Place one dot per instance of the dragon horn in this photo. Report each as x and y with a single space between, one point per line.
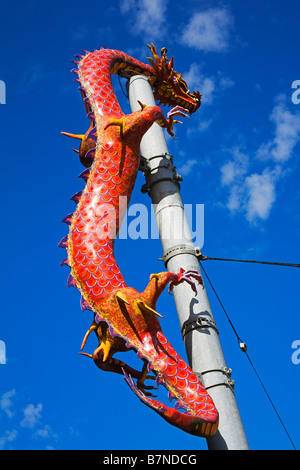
153 63
171 63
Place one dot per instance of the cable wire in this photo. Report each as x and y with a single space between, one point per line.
204 258
125 94
244 349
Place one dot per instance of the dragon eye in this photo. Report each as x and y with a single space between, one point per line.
183 85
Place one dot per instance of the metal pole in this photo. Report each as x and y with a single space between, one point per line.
200 333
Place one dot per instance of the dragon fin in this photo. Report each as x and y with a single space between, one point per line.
147 309
121 299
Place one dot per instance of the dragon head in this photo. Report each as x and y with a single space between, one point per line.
169 87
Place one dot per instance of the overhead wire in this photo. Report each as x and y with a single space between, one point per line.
243 347
204 258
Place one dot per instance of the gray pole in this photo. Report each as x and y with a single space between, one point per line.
197 324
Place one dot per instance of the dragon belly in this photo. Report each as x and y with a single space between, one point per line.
96 224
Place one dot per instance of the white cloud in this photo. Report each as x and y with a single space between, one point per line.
204 125
254 192
146 17
209 86
233 170
187 167
32 415
208 30
24 424
6 403
286 135
9 436
261 195
45 432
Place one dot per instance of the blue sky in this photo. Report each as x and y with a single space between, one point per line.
238 155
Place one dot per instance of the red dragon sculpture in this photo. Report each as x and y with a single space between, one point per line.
125 319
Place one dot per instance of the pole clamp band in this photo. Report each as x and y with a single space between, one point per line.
228 382
177 250
224 370
165 163
200 322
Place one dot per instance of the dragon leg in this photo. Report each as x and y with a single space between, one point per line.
102 357
158 282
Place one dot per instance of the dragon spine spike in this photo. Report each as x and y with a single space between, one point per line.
71 281
63 242
91 116
68 219
84 305
125 319
65 262
93 134
85 175
76 197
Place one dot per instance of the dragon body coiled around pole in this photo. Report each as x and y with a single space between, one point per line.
123 318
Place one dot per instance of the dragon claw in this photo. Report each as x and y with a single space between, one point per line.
141 382
178 111
105 347
185 276
170 121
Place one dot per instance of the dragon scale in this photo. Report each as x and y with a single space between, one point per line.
125 319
